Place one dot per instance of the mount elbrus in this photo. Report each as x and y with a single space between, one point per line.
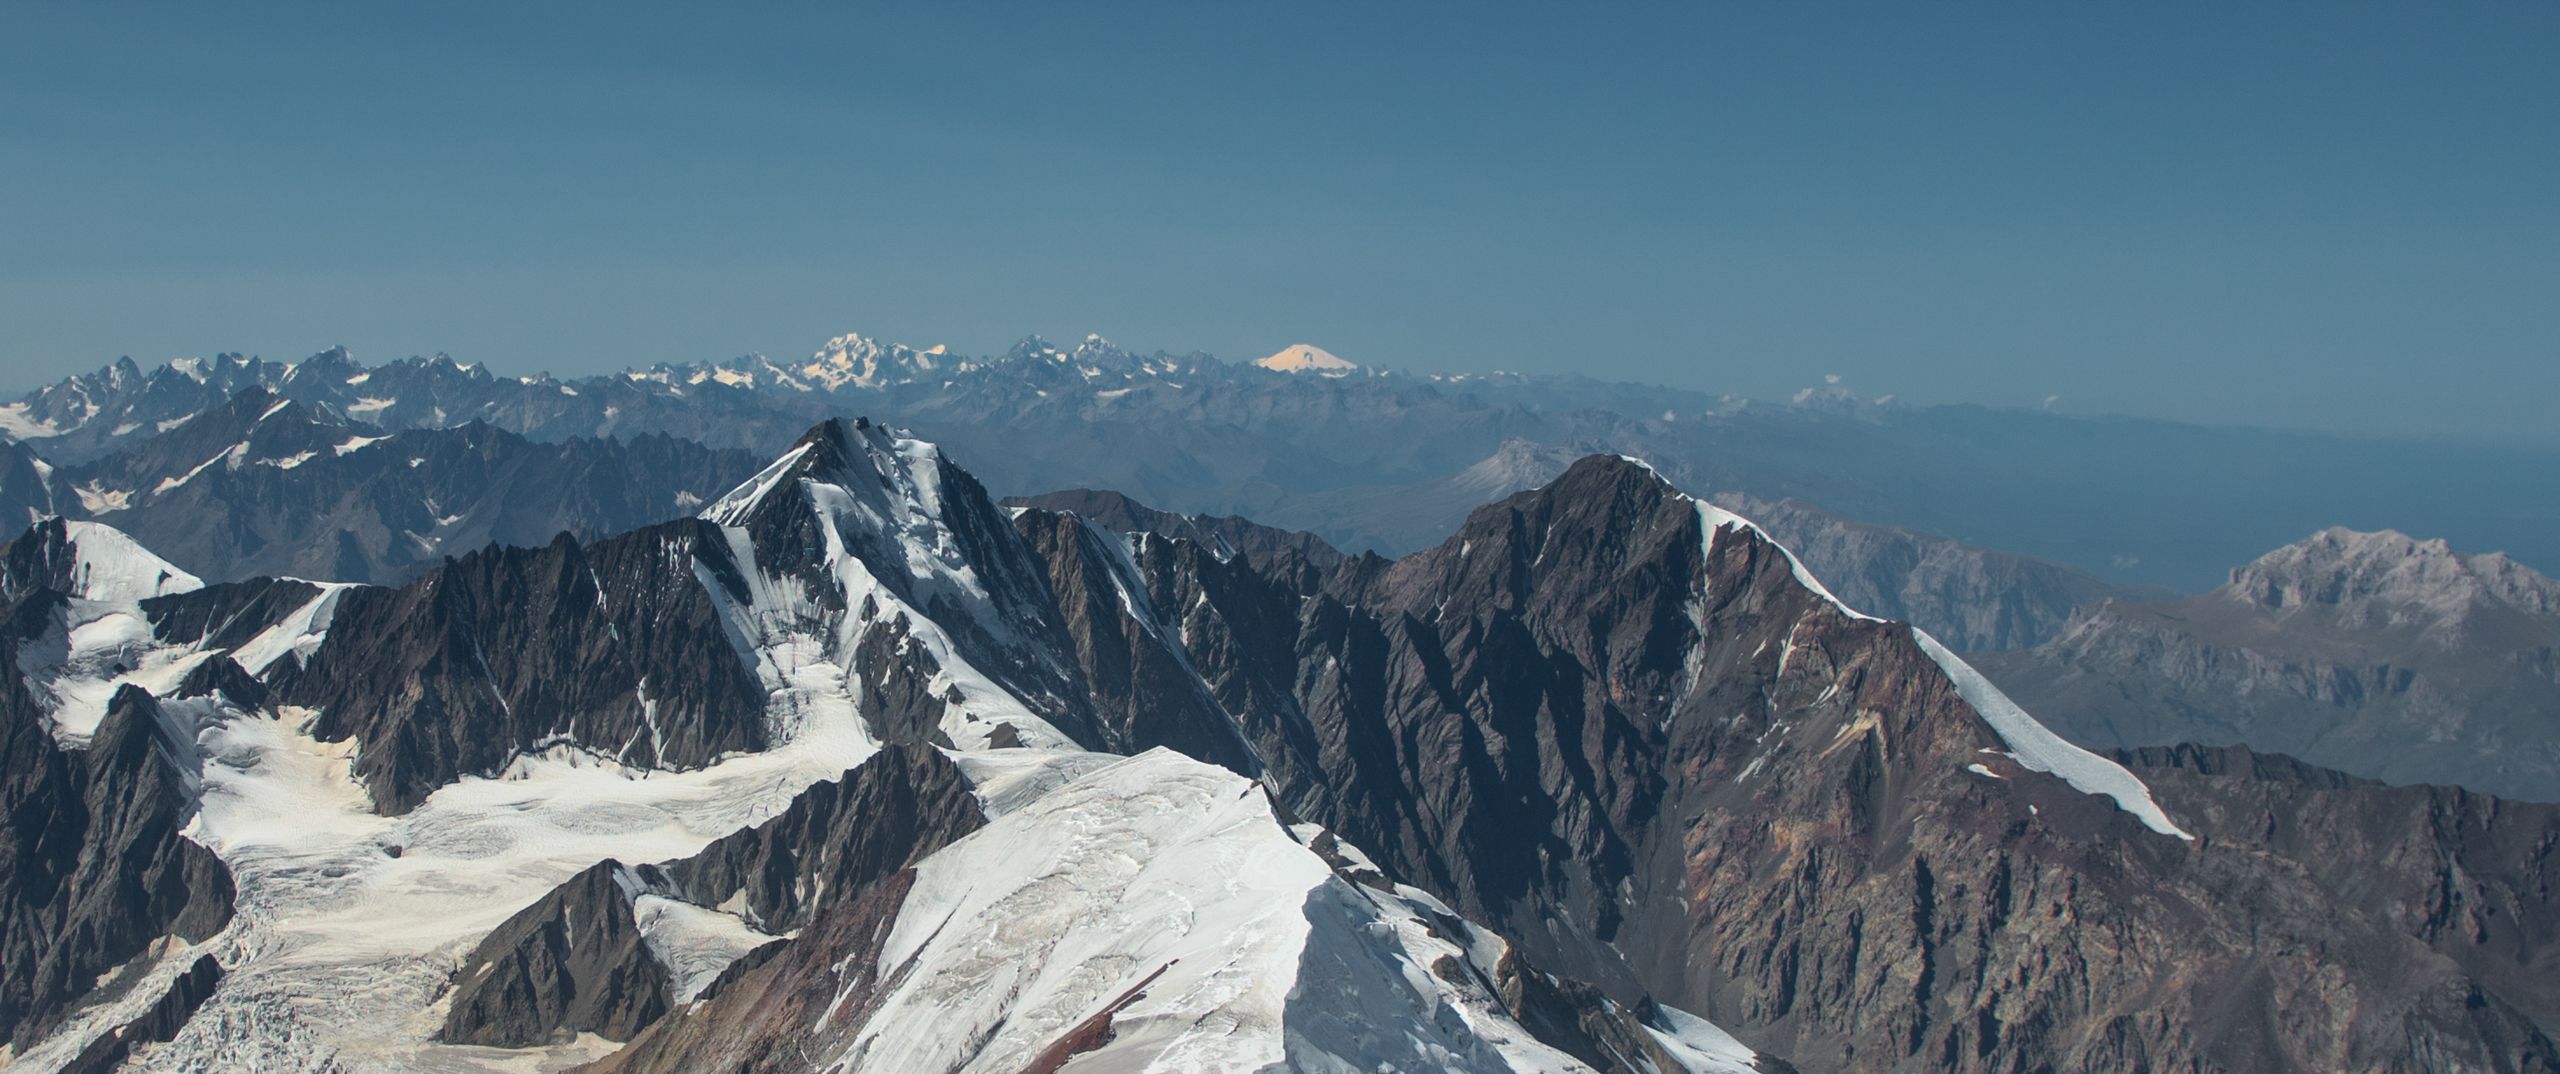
851 769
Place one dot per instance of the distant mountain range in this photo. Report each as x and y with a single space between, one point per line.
2374 653
260 484
1361 458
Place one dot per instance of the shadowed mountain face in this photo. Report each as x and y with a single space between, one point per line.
615 645
2373 653
26 485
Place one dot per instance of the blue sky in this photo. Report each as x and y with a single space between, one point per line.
2333 216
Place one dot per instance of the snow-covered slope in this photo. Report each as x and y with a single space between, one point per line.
1165 892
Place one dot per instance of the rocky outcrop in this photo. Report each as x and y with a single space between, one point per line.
573 962
2372 653
223 677
228 615
95 867
1971 598
615 647
759 1022
837 837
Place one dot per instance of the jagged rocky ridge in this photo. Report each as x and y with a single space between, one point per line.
1613 724
615 646
2373 653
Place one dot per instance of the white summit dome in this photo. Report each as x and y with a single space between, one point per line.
1308 358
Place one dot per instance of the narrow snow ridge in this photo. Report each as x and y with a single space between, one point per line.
2036 747
1715 518
2031 743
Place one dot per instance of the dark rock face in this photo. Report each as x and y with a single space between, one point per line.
2372 653
1581 1021
760 1021
2473 878
94 865
1142 688
573 962
903 803
1666 766
223 677
159 1024
26 486
614 646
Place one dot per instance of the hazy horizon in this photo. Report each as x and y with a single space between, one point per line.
2322 221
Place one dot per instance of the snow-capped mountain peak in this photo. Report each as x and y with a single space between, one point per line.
862 532
1308 358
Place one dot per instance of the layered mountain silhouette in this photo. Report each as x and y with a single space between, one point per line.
1389 460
